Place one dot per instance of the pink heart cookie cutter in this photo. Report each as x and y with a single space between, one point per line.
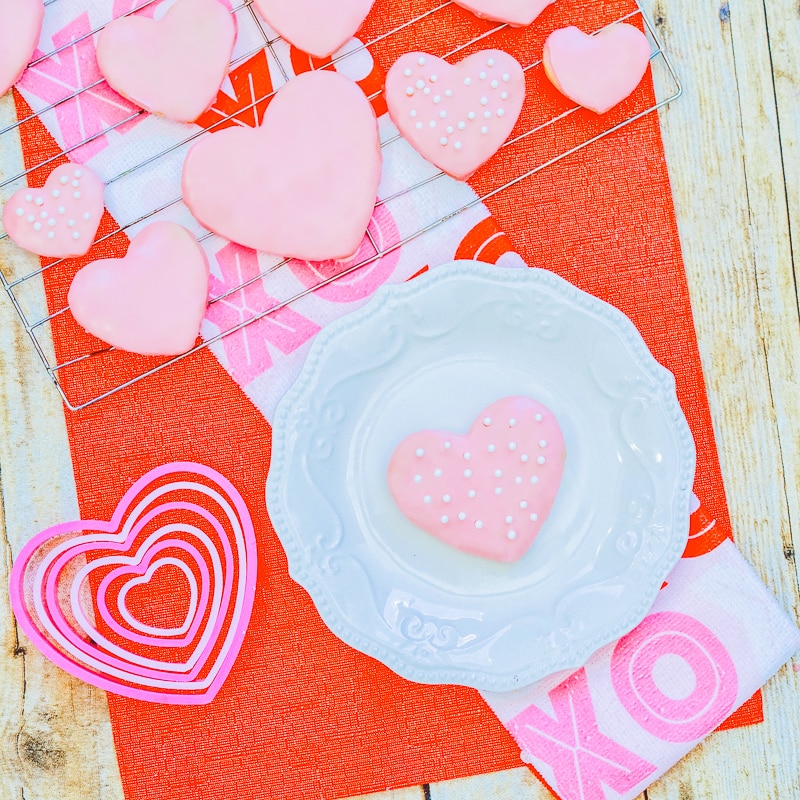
50 585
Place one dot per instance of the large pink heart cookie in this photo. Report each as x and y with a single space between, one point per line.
458 116
91 594
597 72
173 66
303 184
150 302
20 27
514 12
317 27
59 220
490 491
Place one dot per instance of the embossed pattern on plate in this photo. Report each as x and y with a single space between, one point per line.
431 354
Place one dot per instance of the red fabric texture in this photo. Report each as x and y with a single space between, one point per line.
302 715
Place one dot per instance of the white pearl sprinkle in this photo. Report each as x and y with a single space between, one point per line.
445 519
407 72
56 193
541 460
523 504
420 452
524 459
76 184
534 517
482 76
39 201
518 479
420 84
512 446
501 112
458 145
78 173
446 498
71 223
504 95
472 115
76 235
77 195
29 198
31 218
498 473
498 490
448 92
443 115
467 473
437 473
462 516
478 524
542 443
447 445
20 212
421 61
426 90
51 234
64 179
487 421
418 479
471 493
410 91
443 141
434 78
413 113
432 123
419 126
534 479
512 423
62 210
484 130
509 519
37 226
538 417
451 129
467 81
462 125
495 84
484 101
490 62
437 98
512 535
51 222
491 448
506 77
427 498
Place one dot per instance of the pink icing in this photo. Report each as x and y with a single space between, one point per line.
20 27
173 66
597 72
303 184
488 492
317 27
514 12
150 302
458 116
59 220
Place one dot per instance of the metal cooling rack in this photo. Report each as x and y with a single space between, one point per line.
668 89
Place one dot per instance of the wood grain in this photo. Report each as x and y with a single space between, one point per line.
733 147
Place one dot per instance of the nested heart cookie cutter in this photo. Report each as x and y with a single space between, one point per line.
71 376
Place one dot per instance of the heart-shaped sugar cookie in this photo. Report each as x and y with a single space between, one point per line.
514 12
487 492
303 184
150 302
59 220
172 66
600 71
72 586
20 27
317 27
456 116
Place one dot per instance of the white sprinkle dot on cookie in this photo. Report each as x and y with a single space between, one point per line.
420 452
462 125
445 519
467 456
418 479
501 112
491 448
448 92
56 193
471 493
512 446
467 473
437 473
62 210
487 421
509 519
427 499
484 101
20 212
484 130
433 78
29 198
78 173
64 179
432 123
446 498
76 184
420 84
495 84
541 460
490 62
37 226
482 76
518 479
538 418
31 218
523 504
498 473
534 479
77 195
462 516
542 443
512 535
498 490
534 517
410 91
506 77
467 81
512 422
524 459
478 524
426 90
419 126
472 115
51 222
39 201
71 223
458 145
407 72
51 234
448 445
76 235
443 141
421 61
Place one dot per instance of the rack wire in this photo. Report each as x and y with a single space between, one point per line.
40 330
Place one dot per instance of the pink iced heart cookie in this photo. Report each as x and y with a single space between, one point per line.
173 66
59 220
150 302
20 27
317 27
303 184
91 594
514 12
597 72
488 492
459 116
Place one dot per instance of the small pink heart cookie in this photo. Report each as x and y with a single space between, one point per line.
303 184
600 71
515 12
173 66
59 220
456 116
150 302
20 27
317 27
489 492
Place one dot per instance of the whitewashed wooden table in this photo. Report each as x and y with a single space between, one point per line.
733 148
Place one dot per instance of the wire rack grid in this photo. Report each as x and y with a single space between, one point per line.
668 89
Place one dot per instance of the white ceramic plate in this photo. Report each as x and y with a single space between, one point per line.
433 353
